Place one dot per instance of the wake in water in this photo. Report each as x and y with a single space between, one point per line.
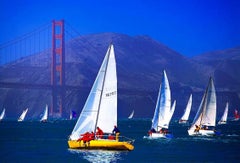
105 156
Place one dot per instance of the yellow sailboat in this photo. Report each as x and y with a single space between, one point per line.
100 110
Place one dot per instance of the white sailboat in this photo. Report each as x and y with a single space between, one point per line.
23 115
223 120
184 118
163 112
100 110
2 115
45 115
131 115
205 119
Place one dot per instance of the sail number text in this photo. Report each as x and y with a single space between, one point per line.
111 93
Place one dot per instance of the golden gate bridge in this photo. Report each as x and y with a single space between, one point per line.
47 41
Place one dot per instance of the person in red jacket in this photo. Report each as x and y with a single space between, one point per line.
99 133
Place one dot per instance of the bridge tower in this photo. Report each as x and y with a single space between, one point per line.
58 68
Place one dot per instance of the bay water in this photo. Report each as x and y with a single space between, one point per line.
32 141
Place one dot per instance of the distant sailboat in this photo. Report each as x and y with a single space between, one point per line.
23 115
72 114
205 119
2 115
163 111
100 110
45 115
236 115
131 115
223 120
186 114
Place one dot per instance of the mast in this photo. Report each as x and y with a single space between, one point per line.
104 77
204 102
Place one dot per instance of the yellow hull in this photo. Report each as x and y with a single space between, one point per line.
101 144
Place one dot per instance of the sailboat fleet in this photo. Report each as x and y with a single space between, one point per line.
100 113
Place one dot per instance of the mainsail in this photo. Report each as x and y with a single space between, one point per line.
131 115
187 110
22 116
2 114
223 120
163 107
100 108
45 115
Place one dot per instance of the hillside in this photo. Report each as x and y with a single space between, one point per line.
140 62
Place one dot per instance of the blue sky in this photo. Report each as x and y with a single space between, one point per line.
190 27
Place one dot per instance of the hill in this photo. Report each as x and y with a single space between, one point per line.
140 62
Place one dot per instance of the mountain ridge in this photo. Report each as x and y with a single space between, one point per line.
140 63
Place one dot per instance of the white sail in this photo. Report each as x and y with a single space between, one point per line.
45 114
206 114
2 114
187 110
156 112
22 116
70 117
100 108
131 115
163 107
169 117
172 109
223 120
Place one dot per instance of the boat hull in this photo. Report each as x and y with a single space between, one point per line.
201 133
159 135
182 121
222 122
101 144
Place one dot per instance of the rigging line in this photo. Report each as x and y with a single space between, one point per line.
24 36
84 39
204 102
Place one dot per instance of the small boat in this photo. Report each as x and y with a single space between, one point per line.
2 115
236 115
131 115
163 112
23 115
205 119
100 110
223 120
45 115
72 114
184 118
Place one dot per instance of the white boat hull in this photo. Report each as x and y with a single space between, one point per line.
182 121
222 122
159 135
201 133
